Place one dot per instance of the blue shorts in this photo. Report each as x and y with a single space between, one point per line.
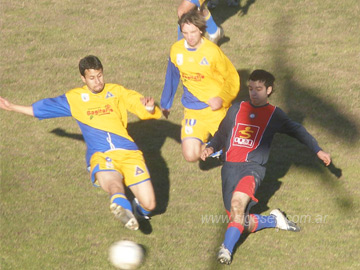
232 175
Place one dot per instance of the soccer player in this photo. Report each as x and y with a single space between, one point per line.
112 157
210 83
215 32
246 134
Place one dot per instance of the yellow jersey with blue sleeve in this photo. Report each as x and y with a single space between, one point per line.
198 3
205 73
102 117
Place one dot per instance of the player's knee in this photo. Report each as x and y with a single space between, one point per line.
191 157
184 7
237 211
149 204
191 154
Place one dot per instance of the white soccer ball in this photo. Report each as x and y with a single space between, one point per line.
126 255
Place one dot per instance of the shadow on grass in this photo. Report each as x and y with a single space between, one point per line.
149 136
223 12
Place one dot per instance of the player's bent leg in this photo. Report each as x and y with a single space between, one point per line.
112 183
191 149
235 228
144 201
184 7
239 202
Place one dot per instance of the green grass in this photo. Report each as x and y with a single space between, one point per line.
51 216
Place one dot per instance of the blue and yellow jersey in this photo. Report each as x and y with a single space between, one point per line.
205 72
198 3
102 117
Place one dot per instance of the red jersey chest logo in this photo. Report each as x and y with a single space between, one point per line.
245 135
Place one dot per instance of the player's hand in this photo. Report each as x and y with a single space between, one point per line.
325 157
166 112
215 103
5 104
206 152
149 103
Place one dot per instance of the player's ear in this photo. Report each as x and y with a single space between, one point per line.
269 90
83 79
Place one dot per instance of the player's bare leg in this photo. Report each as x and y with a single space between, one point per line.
112 183
191 149
184 7
144 201
239 202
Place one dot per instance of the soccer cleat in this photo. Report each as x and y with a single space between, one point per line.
217 36
283 223
224 255
125 216
139 216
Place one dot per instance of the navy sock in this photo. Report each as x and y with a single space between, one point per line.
263 222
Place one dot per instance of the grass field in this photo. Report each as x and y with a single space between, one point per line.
51 216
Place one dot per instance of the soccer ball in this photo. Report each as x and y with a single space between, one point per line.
126 255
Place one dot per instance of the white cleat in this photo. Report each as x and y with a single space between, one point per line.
125 216
283 223
224 255
219 34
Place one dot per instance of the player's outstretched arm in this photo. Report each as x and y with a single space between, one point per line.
325 157
206 152
8 106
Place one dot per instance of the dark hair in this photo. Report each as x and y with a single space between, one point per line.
89 62
193 17
263 76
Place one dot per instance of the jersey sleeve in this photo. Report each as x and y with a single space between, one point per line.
231 85
296 130
52 107
218 142
134 105
172 79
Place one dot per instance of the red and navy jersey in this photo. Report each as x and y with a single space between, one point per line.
247 131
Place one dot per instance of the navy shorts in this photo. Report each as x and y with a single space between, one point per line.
232 173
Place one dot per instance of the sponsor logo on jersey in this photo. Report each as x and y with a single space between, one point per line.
138 171
100 111
180 59
192 77
109 95
85 97
245 135
204 62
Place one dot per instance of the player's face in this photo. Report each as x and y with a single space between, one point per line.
94 80
258 92
192 35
